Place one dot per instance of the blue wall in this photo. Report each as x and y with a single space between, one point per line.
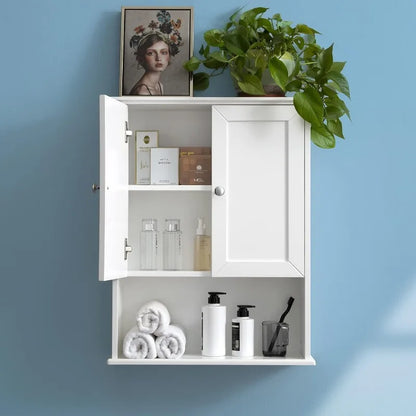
55 317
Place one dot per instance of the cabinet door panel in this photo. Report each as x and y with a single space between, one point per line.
113 189
258 223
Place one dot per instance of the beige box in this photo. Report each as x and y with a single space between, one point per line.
143 166
164 165
147 138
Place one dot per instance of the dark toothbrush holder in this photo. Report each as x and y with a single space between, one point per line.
275 338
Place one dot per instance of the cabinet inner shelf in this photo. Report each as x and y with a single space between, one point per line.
169 273
176 188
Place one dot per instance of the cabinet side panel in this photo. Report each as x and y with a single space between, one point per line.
308 277
116 313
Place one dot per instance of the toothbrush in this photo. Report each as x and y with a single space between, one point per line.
282 319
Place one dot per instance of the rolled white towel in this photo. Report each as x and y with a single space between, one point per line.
153 318
136 344
171 344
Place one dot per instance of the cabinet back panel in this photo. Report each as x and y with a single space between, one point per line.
182 127
184 298
186 206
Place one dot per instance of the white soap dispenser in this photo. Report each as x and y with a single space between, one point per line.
243 333
213 326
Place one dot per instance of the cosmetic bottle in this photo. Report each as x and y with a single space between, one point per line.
202 247
213 326
172 245
243 333
148 245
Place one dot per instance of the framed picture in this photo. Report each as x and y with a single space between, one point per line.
155 42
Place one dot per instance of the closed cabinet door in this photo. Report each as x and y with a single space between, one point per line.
258 201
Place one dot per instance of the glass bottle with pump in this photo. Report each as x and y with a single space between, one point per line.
202 249
172 245
148 245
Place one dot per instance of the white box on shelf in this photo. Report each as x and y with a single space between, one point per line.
147 138
164 166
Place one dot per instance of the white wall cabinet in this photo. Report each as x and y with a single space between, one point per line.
259 222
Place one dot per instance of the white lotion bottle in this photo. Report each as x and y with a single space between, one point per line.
242 329
214 317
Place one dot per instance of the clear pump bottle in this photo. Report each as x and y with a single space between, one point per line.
148 245
172 245
202 248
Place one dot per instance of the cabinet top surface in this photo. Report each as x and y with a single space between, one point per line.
203 101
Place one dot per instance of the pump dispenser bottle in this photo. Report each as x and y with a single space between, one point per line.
243 333
202 250
213 326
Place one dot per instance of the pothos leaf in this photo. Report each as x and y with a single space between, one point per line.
192 64
341 81
201 81
278 71
309 105
322 137
335 127
251 85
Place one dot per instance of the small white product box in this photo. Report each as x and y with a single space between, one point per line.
145 139
143 166
164 165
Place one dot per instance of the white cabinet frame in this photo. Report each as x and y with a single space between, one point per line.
230 126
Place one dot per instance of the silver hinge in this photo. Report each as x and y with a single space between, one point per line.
127 249
129 133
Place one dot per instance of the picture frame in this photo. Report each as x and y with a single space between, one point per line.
155 43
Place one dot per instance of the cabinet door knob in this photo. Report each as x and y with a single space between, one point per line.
219 190
95 187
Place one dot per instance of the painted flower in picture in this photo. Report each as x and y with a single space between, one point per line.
139 29
165 25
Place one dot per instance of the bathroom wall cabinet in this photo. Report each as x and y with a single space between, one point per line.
257 211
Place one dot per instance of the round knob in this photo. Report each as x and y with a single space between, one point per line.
219 190
95 187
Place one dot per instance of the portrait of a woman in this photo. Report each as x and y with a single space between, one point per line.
153 55
155 45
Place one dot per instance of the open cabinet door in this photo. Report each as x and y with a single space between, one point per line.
113 189
258 205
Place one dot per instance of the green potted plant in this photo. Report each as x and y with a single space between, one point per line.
255 48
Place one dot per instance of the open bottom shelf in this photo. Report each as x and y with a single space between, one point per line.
228 360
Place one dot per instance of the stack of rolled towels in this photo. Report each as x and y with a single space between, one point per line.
153 335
